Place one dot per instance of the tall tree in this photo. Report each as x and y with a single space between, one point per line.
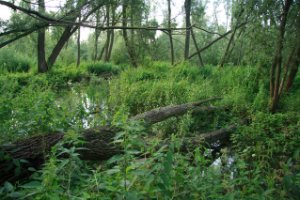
275 73
78 42
170 32
130 49
187 7
237 16
42 64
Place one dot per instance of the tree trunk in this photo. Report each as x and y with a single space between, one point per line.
98 146
112 34
197 48
231 40
131 53
69 30
187 6
293 69
296 58
286 71
275 72
78 43
215 40
108 33
97 34
170 32
42 64
97 142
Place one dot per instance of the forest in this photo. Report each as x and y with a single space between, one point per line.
149 99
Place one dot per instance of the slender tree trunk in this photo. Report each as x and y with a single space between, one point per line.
131 53
231 40
214 41
296 58
286 71
275 72
293 69
112 34
68 32
103 50
42 64
78 44
197 48
108 33
97 34
187 6
228 48
111 44
233 46
170 32
60 44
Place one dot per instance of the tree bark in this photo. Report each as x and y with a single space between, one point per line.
97 142
187 6
296 58
170 32
108 33
293 69
275 72
98 147
231 40
215 40
78 44
42 64
197 48
163 113
130 50
112 34
97 34
69 30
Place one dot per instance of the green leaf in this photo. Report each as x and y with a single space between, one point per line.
31 185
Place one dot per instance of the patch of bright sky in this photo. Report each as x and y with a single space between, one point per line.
158 8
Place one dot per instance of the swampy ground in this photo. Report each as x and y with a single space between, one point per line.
260 161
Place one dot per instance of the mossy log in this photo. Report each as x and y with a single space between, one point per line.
18 157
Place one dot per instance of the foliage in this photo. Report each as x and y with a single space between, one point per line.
101 68
263 162
13 62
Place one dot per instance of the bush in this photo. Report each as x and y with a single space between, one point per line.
12 62
100 68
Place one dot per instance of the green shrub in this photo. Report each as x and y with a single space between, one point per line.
100 68
12 62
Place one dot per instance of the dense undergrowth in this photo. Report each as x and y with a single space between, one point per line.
262 163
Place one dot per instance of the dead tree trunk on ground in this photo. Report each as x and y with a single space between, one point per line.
98 142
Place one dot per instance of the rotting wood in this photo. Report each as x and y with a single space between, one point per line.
97 142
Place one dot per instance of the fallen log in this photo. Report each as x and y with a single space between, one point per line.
17 158
163 113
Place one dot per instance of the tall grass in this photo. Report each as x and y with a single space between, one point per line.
11 61
266 150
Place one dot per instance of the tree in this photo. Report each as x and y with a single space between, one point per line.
276 68
170 32
187 7
129 47
42 64
78 43
43 20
